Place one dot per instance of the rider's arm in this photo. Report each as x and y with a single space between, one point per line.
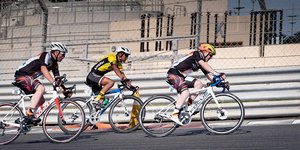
207 67
210 71
47 74
118 72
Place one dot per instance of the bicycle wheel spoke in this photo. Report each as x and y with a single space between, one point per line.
66 128
10 128
123 114
153 116
225 119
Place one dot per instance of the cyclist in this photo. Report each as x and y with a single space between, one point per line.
28 72
178 75
112 62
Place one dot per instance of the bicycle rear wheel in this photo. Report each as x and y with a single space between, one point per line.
10 123
225 119
87 107
74 123
154 116
123 114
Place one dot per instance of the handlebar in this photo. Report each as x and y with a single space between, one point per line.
67 91
63 79
218 81
122 86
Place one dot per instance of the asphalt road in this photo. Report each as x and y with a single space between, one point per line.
256 136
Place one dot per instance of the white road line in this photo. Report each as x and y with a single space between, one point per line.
271 122
296 121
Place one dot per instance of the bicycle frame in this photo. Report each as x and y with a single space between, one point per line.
208 91
118 94
40 111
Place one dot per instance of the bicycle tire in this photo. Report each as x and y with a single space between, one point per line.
226 120
9 133
123 114
51 127
153 124
87 107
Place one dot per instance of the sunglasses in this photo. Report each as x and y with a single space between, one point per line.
126 55
63 54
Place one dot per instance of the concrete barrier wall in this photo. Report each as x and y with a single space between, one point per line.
265 92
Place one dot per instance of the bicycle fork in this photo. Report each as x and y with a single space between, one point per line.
57 102
221 113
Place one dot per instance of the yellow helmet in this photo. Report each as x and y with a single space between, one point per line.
209 48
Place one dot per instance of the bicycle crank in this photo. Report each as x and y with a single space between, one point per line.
95 117
185 118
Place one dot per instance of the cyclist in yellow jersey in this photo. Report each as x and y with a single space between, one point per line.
112 62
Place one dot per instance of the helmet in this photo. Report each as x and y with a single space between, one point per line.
210 48
57 46
123 49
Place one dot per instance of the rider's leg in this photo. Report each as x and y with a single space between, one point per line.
36 100
182 97
197 85
178 106
106 84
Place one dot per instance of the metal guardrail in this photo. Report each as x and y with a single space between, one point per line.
265 92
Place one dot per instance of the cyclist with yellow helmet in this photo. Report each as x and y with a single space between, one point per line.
178 75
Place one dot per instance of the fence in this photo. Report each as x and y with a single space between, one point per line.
159 32
28 26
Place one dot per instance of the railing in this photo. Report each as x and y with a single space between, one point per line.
265 92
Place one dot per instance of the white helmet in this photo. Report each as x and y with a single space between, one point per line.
123 49
57 46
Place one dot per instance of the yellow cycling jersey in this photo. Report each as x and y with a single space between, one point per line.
105 64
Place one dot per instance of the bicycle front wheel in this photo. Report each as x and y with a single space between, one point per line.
154 116
53 124
87 107
10 126
224 119
123 114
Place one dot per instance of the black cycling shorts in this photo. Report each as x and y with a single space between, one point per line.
27 84
93 80
178 81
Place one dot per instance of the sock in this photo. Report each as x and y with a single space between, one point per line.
176 111
30 111
100 96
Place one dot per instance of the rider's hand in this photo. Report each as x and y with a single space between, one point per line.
57 82
126 82
222 75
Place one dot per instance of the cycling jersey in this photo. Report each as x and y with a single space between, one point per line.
32 67
105 65
100 69
189 63
178 74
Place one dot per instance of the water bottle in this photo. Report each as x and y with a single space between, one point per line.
105 102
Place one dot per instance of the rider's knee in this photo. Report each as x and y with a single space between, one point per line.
41 88
198 84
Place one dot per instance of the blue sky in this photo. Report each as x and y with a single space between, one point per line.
290 7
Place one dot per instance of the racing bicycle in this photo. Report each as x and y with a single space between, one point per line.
13 119
123 109
220 113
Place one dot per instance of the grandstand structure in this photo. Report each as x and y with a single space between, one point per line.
157 31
